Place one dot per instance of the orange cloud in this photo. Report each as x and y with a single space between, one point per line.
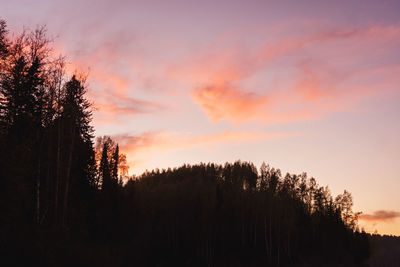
111 97
175 140
222 101
219 78
380 216
112 101
108 90
126 106
111 77
313 87
156 144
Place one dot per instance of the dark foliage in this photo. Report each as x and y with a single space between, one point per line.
63 202
385 251
210 214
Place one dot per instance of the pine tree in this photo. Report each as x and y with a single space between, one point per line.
22 88
76 118
104 168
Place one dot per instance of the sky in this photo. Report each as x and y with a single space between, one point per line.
306 86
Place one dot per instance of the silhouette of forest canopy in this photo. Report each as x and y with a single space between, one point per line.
64 203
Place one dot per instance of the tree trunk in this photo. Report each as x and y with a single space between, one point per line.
68 177
37 217
265 234
255 232
57 180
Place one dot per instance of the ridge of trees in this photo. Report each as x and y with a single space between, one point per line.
236 213
64 202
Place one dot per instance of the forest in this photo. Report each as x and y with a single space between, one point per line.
66 199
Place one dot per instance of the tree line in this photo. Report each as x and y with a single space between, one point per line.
64 201
214 214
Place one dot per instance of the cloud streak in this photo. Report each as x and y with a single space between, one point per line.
177 140
125 106
157 144
380 216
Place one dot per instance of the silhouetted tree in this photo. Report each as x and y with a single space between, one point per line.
105 168
52 175
76 117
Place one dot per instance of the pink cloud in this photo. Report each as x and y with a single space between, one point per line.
156 144
222 101
112 100
127 106
175 140
380 216
111 77
313 86
219 77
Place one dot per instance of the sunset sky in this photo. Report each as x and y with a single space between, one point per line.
306 86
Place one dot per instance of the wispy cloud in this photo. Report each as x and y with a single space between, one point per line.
127 106
157 144
312 87
113 78
178 140
380 216
223 101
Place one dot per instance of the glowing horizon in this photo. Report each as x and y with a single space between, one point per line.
304 87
